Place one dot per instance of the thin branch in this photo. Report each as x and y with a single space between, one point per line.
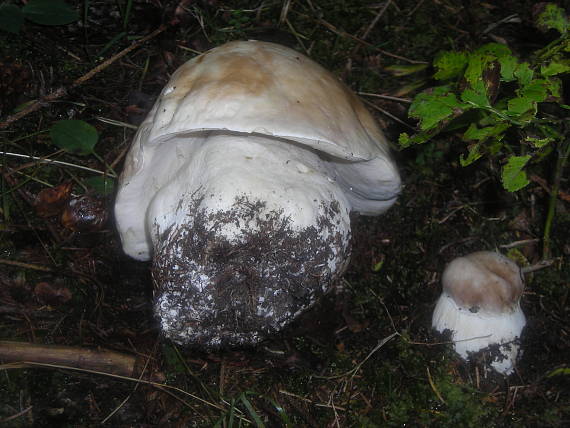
62 91
56 162
25 265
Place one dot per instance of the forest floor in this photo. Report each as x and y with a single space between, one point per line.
366 355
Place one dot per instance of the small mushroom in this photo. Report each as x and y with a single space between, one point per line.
480 305
239 184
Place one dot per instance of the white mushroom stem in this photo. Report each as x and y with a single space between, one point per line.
223 168
222 195
473 331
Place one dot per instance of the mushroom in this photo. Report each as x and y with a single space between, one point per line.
239 184
480 304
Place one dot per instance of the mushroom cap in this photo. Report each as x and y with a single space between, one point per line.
485 281
257 88
480 305
265 88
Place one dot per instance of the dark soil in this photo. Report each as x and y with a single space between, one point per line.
68 283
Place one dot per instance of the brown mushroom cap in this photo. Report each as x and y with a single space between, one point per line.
254 89
265 88
484 280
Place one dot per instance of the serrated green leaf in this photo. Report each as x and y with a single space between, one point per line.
431 109
74 136
475 65
449 64
553 17
523 73
472 155
536 90
505 58
558 66
554 85
513 176
406 141
11 18
520 105
49 12
476 95
481 134
508 67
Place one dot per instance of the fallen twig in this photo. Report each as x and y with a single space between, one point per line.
62 91
82 358
26 265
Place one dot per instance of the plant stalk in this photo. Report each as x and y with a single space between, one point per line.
563 152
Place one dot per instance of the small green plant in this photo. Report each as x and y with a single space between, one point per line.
79 138
495 102
43 12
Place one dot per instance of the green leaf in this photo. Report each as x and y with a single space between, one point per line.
476 64
523 73
505 57
433 108
101 185
564 371
481 134
539 142
405 141
49 12
513 176
473 155
553 17
74 136
555 67
520 105
476 95
449 64
536 90
378 266
508 67
11 18
554 85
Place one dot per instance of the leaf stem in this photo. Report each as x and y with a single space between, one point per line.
563 153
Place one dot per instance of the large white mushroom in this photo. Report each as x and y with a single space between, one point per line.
239 185
480 304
